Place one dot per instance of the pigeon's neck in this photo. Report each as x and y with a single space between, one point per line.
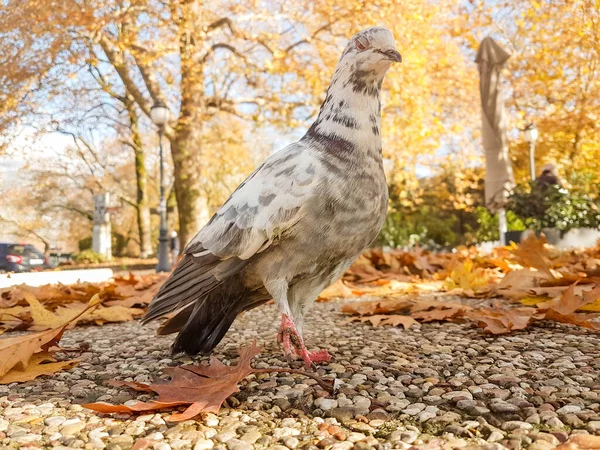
351 112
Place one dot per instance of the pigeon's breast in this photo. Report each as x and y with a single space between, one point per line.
351 209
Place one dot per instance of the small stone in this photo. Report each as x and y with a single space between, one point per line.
533 419
3 425
567 409
225 436
204 444
516 425
283 403
426 415
495 436
343 446
409 436
458 395
72 426
503 407
355 437
238 444
414 409
361 403
593 426
290 442
54 420
326 443
212 421
326 404
279 433
342 414
160 446
548 438
555 422
573 421
251 437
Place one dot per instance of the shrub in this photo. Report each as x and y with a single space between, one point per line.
88 257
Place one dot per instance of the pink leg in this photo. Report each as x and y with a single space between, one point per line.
293 343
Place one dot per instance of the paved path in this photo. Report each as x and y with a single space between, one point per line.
440 384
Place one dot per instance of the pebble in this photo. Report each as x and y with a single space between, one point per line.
326 404
484 387
238 444
203 444
290 442
567 409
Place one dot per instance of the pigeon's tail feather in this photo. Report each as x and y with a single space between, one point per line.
209 319
190 281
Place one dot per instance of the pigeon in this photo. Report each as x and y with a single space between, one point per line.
296 223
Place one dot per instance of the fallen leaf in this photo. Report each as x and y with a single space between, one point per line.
336 290
42 363
569 301
17 351
582 320
502 321
44 319
383 306
467 277
201 388
382 319
532 252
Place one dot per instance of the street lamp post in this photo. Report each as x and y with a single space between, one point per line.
159 114
531 135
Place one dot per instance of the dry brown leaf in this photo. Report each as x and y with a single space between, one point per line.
382 319
44 319
17 351
200 388
383 306
42 363
502 321
582 320
440 314
336 290
532 252
569 301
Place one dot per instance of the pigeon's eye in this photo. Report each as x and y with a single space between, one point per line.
361 44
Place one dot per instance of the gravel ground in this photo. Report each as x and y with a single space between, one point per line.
437 385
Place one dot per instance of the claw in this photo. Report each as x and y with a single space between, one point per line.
294 345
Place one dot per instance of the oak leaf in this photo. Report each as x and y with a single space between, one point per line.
502 321
42 363
383 319
16 352
201 388
532 252
383 306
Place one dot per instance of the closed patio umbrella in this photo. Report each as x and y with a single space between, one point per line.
499 179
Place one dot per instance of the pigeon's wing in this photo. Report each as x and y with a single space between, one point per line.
262 209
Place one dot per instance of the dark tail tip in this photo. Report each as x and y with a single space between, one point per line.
201 334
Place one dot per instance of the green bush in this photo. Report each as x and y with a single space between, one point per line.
88 257
85 244
551 206
488 228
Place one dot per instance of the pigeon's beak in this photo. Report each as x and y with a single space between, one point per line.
393 54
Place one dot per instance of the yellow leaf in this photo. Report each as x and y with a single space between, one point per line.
39 364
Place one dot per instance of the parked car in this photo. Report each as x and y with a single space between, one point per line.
21 258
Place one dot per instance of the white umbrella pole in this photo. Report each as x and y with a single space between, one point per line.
503 226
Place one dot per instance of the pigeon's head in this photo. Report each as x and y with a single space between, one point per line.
373 49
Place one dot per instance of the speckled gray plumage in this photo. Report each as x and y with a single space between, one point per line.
297 222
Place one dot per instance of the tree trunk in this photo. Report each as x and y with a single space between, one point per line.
191 205
187 134
142 206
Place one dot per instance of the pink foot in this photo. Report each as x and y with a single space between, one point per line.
294 345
